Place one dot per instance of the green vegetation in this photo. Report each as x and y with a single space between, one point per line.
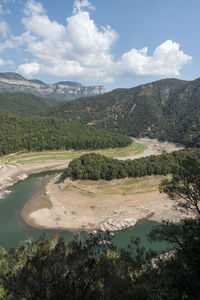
25 104
92 269
95 166
184 186
38 133
168 109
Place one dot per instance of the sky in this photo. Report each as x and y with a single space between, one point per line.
115 43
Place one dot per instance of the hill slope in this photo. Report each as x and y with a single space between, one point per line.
39 133
166 109
62 91
25 104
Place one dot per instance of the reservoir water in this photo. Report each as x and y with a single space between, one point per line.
13 229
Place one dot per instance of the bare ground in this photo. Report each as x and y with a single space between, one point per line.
87 205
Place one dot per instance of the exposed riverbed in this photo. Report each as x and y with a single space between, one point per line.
13 229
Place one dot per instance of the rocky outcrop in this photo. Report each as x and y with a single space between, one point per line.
115 224
13 82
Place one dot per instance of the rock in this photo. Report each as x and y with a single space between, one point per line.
60 91
22 177
93 232
115 224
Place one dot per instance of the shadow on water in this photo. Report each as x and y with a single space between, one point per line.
13 229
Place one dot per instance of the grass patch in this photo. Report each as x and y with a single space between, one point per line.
28 157
133 149
120 187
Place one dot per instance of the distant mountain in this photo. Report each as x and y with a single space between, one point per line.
25 104
167 109
62 91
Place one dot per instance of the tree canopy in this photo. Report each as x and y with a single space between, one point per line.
41 133
95 166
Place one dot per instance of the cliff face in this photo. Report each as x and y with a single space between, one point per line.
63 91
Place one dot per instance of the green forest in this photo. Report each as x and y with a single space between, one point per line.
25 104
95 166
39 133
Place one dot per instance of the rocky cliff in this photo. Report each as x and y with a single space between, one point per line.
63 91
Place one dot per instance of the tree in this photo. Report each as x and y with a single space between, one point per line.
53 270
177 273
184 186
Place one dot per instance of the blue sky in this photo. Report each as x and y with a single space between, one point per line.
98 42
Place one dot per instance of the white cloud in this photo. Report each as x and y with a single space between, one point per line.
4 29
4 62
33 7
1 62
79 5
29 68
81 50
166 60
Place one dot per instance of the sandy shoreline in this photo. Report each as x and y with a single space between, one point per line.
11 174
54 207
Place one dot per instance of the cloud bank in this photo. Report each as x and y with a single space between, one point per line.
81 50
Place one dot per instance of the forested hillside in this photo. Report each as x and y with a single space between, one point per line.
39 133
25 104
166 109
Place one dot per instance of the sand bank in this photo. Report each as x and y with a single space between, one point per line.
74 206
10 174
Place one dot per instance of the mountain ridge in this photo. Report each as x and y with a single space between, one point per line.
167 109
61 91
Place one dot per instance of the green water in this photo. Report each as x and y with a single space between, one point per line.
13 229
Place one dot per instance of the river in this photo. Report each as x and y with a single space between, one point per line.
13 229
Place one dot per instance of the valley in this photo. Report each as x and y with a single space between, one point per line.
95 203
15 167
62 176
99 150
